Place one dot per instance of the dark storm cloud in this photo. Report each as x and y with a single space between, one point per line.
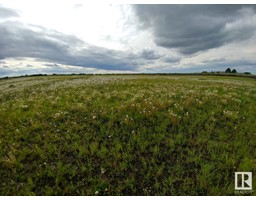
171 59
194 28
18 40
150 54
102 58
6 13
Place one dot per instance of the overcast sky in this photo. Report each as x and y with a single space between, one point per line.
68 37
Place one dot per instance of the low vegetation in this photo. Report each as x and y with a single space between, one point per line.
126 134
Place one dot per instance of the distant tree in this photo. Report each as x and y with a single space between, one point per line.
247 72
228 70
234 71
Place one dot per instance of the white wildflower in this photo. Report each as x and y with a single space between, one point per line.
103 170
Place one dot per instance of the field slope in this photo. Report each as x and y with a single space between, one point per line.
126 134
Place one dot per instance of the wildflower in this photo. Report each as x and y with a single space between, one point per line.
94 117
24 107
97 192
230 113
103 170
56 115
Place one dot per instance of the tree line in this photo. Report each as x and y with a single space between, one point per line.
228 70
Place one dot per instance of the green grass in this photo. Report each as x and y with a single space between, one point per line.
126 134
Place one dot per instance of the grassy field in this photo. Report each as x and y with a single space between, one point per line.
126 134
